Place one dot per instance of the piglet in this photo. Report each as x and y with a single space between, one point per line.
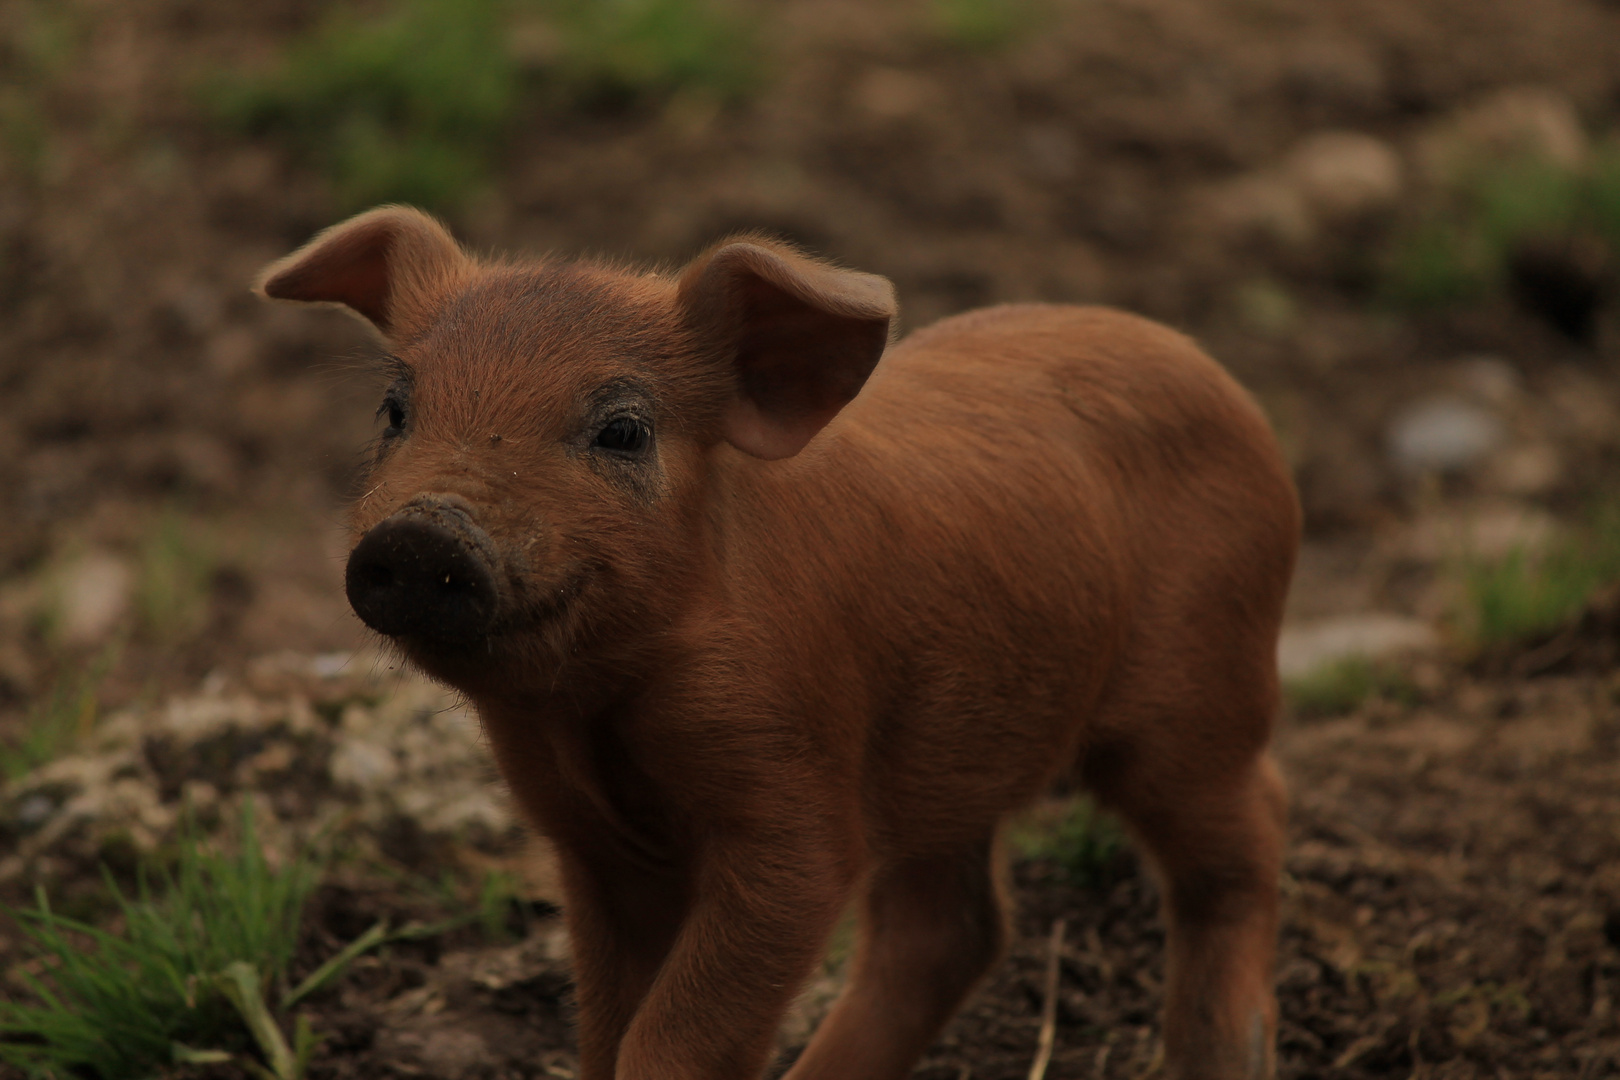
764 615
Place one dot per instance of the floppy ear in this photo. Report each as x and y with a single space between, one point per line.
393 266
801 334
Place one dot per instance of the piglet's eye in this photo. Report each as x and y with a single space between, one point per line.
395 411
625 434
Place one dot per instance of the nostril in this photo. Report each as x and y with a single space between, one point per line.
373 575
413 576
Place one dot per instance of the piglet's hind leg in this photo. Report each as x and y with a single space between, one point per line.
1217 841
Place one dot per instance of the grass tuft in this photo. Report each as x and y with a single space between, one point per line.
621 51
175 566
38 44
115 1004
1345 685
1526 593
407 107
983 25
414 106
1458 248
58 720
1083 845
499 895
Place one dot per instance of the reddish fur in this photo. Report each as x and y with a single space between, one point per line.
737 693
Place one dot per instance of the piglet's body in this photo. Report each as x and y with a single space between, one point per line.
758 625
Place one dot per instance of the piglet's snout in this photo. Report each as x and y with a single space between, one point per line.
421 574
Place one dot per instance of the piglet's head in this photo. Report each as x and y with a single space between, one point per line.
547 466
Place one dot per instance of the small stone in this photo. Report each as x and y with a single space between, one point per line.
362 764
1342 175
34 810
1536 123
330 665
1307 648
95 597
192 719
473 809
1442 435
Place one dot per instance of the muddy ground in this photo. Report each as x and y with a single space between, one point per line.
174 458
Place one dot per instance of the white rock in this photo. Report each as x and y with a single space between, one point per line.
363 764
1442 435
95 596
331 664
120 731
34 810
191 719
1342 175
1310 647
477 806
1518 123
1329 177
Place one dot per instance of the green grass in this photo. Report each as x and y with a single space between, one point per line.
1456 246
983 25
498 893
1345 685
60 718
1083 845
175 565
1437 263
416 105
621 51
37 52
1266 307
1525 593
405 107
182 979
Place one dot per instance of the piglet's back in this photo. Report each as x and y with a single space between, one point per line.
1040 452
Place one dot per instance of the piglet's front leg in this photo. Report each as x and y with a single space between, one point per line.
764 901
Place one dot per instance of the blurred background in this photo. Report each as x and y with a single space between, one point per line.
1396 221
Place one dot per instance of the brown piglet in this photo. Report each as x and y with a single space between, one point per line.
764 615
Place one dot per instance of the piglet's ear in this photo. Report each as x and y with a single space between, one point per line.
802 335
393 266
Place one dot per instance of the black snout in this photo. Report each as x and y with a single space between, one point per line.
414 576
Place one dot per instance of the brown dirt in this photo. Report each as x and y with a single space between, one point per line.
1453 906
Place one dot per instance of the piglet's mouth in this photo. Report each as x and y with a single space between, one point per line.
426 573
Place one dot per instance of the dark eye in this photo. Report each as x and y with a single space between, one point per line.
625 434
395 410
